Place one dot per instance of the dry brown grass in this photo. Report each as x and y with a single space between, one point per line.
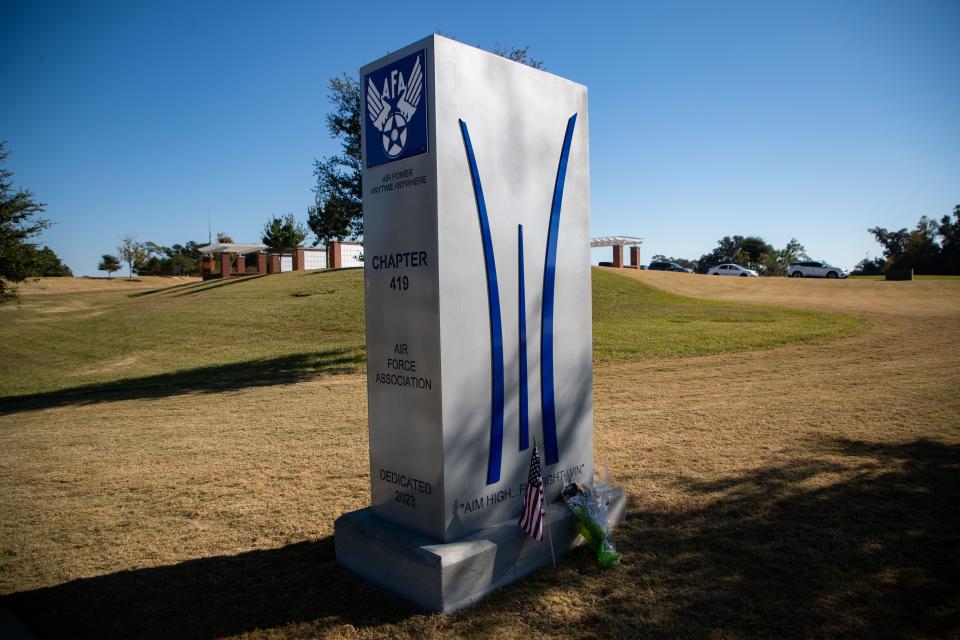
804 491
867 297
41 286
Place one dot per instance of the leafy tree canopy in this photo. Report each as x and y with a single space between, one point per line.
133 253
752 252
176 260
47 264
284 234
683 262
20 221
932 247
109 264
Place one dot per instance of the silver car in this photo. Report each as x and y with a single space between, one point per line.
815 269
731 270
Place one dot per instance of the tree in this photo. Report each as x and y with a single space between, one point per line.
922 250
47 264
518 54
752 252
950 242
283 235
19 221
783 258
109 264
223 238
724 252
869 267
337 212
176 260
893 242
133 253
683 262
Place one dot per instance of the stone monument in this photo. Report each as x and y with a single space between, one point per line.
478 318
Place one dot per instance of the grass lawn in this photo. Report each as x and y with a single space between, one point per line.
287 327
169 488
633 323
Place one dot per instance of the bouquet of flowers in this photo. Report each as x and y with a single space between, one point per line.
589 506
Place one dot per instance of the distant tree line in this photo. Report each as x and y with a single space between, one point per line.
932 247
281 234
151 259
752 252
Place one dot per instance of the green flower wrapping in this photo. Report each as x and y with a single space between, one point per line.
591 523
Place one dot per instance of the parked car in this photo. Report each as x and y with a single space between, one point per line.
732 270
667 266
815 269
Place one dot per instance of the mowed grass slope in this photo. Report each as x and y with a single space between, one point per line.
239 331
634 323
266 330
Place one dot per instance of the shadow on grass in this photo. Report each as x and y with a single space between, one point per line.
174 288
218 284
209 597
849 539
856 539
213 379
192 288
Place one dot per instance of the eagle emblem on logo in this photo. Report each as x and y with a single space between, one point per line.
391 108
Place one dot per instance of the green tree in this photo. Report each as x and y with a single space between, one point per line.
893 242
19 222
133 253
109 263
47 264
932 247
950 243
683 262
922 250
518 54
175 260
283 235
869 267
724 252
781 259
337 212
754 253
223 238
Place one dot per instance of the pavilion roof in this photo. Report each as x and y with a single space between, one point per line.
615 241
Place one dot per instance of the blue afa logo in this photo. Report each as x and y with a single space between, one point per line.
396 122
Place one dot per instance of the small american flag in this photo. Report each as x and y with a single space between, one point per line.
531 520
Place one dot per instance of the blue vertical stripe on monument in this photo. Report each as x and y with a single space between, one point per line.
496 328
522 304
550 448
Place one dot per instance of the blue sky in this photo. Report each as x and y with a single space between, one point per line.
813 120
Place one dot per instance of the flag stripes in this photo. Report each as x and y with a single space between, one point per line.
531 520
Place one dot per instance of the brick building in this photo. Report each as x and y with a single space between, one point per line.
226 260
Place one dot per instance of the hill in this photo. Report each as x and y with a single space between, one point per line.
272 329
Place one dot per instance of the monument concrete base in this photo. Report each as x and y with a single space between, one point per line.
449 576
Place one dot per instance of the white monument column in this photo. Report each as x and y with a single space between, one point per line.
478 316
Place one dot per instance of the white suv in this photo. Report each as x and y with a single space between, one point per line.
815 269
